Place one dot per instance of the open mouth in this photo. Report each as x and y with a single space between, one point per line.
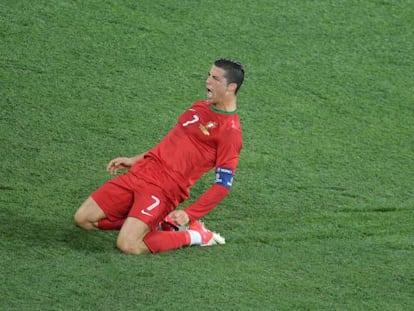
209 93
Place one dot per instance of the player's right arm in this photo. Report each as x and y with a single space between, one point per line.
121 163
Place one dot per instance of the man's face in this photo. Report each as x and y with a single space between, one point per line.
216 85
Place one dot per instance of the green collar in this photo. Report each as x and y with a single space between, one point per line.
212 107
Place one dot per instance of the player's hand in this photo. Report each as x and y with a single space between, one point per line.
119 164
180 217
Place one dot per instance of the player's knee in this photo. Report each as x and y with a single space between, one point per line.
78 220
126 246
88 215
129 246
81 221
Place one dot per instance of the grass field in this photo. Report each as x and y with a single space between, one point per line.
320 216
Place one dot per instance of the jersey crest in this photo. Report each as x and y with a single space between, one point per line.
209 125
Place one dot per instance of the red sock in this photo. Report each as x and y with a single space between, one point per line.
106 224
162 241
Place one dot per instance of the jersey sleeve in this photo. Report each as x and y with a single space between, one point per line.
206 202
228 150
227 159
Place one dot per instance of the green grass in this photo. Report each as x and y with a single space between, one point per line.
320 215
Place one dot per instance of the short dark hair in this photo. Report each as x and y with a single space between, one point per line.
234 71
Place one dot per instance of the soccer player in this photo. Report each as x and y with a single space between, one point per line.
206 136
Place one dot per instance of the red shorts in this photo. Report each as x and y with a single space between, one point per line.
129 196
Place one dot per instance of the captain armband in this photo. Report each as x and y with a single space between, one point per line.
224 177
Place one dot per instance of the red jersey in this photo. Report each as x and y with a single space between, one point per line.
203 138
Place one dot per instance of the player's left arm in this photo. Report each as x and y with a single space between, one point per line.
206 202
227 160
